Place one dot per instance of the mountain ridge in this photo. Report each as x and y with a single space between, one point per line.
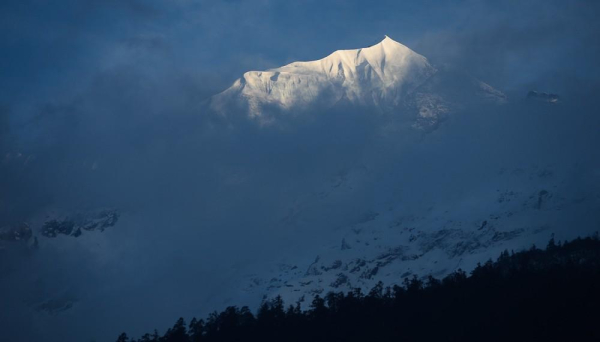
388 76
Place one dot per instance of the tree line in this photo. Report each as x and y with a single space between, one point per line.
550 294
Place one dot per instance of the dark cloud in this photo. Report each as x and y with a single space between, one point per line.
515 45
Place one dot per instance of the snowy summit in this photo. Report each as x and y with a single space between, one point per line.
384 75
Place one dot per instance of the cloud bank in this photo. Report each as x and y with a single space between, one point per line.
101 105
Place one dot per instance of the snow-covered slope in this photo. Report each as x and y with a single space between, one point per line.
387 76
392 241
493 178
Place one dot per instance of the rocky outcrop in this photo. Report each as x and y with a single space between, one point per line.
79 223
21 232
541 96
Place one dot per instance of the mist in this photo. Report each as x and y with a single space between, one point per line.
103 105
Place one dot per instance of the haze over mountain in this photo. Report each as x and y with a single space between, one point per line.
138 185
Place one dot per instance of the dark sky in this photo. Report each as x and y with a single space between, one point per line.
101 106
54 50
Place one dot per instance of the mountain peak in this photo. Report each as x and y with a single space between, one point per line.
386 48
385 75
376 75
388 40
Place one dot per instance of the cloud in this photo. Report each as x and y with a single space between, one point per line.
515 45
103 102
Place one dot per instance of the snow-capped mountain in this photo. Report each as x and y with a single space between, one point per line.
387 76
379 221
334 203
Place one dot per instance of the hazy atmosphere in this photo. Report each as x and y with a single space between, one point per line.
127 200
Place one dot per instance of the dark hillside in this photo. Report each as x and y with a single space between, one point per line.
550 294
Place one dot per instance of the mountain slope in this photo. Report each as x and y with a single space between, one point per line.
392 241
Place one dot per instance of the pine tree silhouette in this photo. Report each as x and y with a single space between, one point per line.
532 295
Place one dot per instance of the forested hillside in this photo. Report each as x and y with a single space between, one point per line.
550 294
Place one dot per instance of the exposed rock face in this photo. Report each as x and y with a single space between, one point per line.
20 232
541 96
55 306
23 242
81 222
73 225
